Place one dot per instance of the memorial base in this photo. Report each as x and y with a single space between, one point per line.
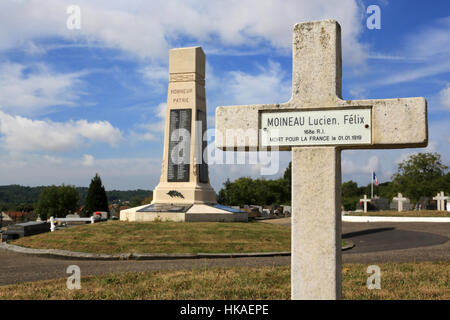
184 193
184 213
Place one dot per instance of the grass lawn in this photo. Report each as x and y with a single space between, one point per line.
114 237
425 280
421 213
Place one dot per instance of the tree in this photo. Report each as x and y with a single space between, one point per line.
350 195
147 200
135 202
222 196
25 207
96 199
246 190
288 180
57 201
350 189
443 182
420 175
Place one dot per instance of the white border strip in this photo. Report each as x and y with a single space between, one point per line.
393 219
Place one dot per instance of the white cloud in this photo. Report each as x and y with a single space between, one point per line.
116 173
155 73
52 159
147 29
414 73
30 48
444 96
159 113
350 167
268 86
88 160
358 93
101 131
143 136
427 52
29 91
23 134
434 40
150 130
156 76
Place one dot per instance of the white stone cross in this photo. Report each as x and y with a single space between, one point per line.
365 200
443 199
316 124
399 198
440 197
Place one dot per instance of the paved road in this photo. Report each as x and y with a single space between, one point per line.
375 243
397 242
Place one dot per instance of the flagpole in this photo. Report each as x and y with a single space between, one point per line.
371 186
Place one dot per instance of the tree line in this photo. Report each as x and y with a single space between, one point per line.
249 191
420 175
22 198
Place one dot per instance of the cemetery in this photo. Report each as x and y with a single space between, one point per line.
402 207
185 217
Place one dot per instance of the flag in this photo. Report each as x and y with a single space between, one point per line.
375 178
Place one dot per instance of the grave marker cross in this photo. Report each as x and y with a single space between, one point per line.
399 198
440 198
365 200
316 156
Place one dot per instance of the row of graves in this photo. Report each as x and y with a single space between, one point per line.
400 203
257 212
12 231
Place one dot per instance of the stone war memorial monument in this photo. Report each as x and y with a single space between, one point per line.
184 192
316 124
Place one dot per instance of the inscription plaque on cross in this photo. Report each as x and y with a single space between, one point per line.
316 124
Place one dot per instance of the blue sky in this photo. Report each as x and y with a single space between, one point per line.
76 102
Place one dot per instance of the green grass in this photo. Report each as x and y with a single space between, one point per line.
115 237
424 280
421 213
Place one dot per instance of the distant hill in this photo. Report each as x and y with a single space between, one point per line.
13 195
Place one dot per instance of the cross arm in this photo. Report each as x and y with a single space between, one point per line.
396 123
237 126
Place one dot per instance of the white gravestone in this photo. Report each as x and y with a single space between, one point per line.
400 199
365 200
316 124
441 198
438 201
